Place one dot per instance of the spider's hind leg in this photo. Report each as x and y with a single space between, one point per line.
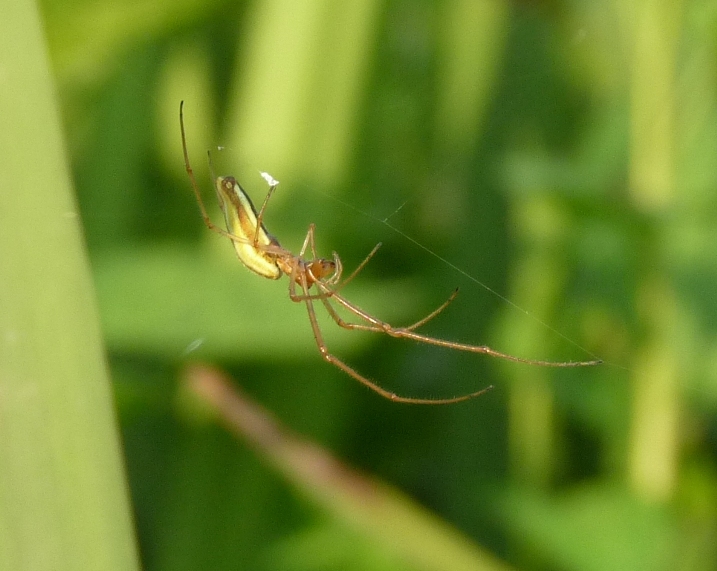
336 362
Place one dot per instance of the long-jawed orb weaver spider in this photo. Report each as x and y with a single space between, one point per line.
261 253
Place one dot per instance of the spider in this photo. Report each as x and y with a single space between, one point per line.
261 253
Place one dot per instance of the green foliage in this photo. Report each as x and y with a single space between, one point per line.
63 494
562 154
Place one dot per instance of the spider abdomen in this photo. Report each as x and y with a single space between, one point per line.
241 220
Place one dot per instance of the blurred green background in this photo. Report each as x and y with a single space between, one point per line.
562 153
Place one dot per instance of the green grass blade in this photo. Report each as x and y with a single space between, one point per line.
63 496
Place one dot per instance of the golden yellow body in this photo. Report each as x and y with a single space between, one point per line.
241 219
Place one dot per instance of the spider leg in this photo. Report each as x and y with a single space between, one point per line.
260 216
309 239
433 313
202 208
195 187
338 270
338 266
360 267
328 357
310 242
336 277
404 333
299 268
303 297
292 281
298 272
379 326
